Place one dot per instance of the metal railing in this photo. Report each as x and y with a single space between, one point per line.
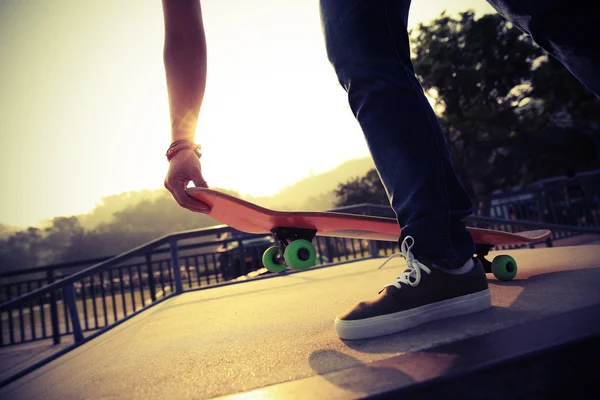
78 298
105 294
571 201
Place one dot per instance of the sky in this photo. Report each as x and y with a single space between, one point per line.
84 108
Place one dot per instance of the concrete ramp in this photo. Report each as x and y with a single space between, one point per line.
262 334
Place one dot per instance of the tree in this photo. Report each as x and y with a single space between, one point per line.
60 236
498 106
22 249
367 189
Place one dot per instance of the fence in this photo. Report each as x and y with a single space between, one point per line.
107 293
571 201
93 295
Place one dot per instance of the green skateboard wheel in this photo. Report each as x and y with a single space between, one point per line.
300 254
504 267
269 260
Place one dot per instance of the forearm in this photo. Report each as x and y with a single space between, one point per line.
185 66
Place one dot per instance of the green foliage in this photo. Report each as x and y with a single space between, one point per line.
367 189
6 231
511 114
24 247
110 205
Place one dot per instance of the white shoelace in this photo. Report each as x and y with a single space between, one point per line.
412 274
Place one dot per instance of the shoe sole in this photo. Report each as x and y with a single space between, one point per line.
400 321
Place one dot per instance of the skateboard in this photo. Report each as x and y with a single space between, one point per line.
295 230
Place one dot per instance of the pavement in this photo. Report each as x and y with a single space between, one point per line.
233 339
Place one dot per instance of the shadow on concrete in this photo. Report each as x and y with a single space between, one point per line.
322 361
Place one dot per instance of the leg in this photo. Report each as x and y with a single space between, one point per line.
367 44
568 30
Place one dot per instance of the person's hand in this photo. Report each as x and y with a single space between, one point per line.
183 169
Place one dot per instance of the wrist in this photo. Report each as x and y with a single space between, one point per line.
180 145
176 137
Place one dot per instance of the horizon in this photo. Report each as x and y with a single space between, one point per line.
260 200
85 109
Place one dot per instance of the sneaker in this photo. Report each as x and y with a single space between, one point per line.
424 292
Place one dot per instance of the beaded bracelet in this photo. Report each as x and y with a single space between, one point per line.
179 145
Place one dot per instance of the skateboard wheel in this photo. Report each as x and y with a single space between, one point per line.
300 254
504 267
269 260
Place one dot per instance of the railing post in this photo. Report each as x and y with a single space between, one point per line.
151 281
53 309
243 270
330 255
373 249
69 292
175 264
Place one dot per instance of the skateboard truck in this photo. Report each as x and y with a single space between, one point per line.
285 236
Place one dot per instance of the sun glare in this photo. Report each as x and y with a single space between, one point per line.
83 90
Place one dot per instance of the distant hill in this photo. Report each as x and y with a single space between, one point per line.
123 221
316 192
312 193
6 230
106 208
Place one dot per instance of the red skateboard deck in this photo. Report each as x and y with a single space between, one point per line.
251 218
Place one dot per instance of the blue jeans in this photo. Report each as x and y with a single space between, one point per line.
367 44
568 30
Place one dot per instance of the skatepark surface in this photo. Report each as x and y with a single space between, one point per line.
233 339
